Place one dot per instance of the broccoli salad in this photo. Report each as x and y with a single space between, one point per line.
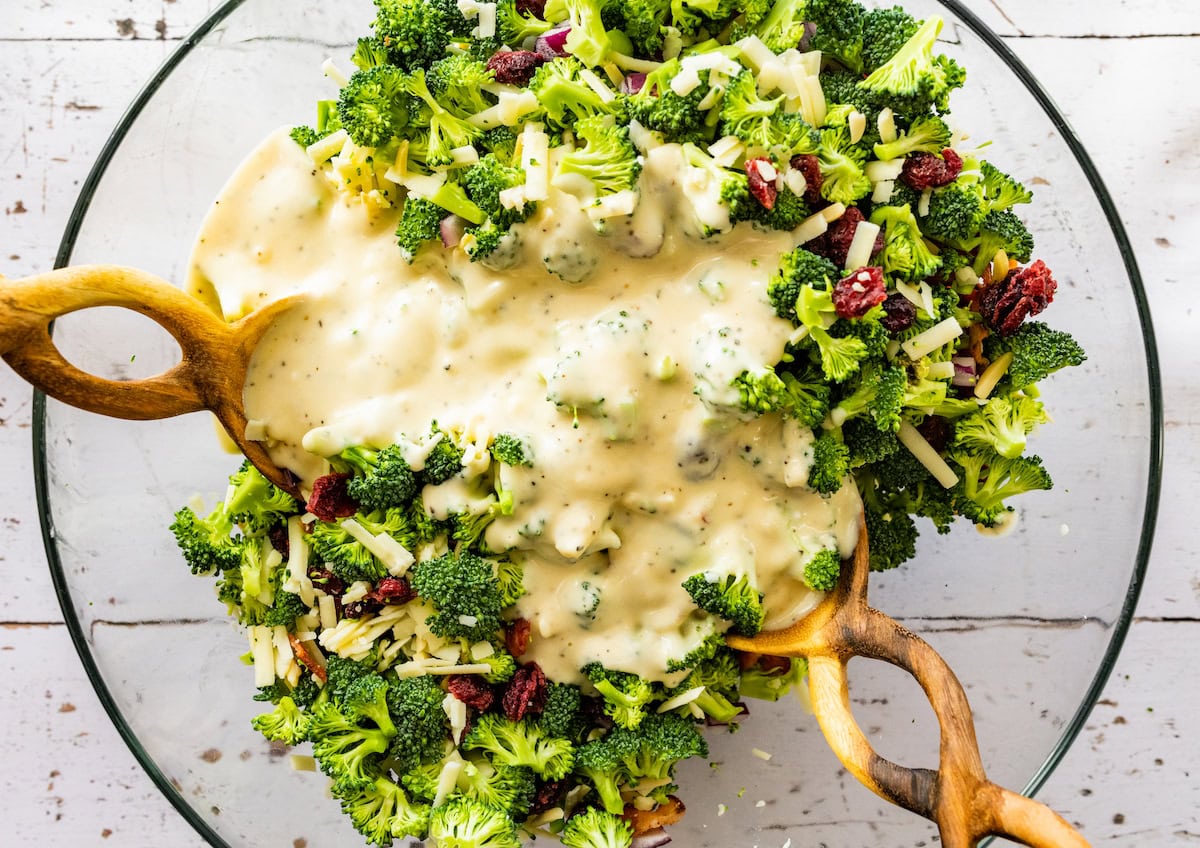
618 321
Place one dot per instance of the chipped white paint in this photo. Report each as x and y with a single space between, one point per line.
67 68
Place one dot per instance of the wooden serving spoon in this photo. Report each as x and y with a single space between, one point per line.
958 797
209 376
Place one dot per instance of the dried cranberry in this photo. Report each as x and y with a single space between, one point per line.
330 499
392 590
516 636
525 693
840 235
472 690
515 67
1004 305
937 431
925 170
326 580
536 8
898 313
761 174
547 796
810 166
854 296
357 609
279 539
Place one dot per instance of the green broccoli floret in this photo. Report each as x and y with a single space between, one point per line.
840 357
510 574
252 590
771 684
306 692
382 478
730 597
372 106
885 31
502 664
783 27
989 480
1001 231
207 544
760 122
422 729
839 31
563 96
600 763
1000 425
867 443
588 39
830 464
651 751
523 743
366 699
605 163
644 22
841 163
346 752
721 198
284 612
304 136
444 461
1001 190
369 53
465 823
342 673
595 828
803 396
464 590
458 81
561 716
787 213
710 646
657 107
1038 351
347 557
904 253
914 74
927 134
513 27
892 534
822 570
626 695
447 130
415 32
719 675
956 212
511 450
878 393
798 269
485 180
256 503
509 788
381 812
419 223
273 693
286 723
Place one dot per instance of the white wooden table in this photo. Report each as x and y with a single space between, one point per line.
1126 73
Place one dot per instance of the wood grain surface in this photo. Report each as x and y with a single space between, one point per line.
1125 72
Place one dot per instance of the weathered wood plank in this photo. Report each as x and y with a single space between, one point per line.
106 20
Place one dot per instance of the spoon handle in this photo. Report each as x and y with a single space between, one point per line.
210 374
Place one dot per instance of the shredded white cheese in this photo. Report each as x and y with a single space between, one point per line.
926 455
992 375
535 159
597 85
331 70
858 255
887 125
879 170
883 191
680 700
939 334
857 124
262 650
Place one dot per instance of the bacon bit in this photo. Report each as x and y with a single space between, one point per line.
472 690
810 166
1008 302
515 67
925 170
761 175
300 652
855 295
392 590
548 796
643 821
279 539
330 499
525 694
516 636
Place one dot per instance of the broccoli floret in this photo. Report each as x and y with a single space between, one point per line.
415 32
956 212
512 789
447 130
306 692
719 675
304 136
514 27
347 557
783 27
458 83
904 253
771 684
644 22
915 75
798 269
284 612
252 590
830 464
892 534
444 461
760 122
1002 231
651 751
381 812
511 450
1038 351
841 162
372 105
342 673
464 590
606 163
465 823
879 393
595 828
657 107
206 543
867 443
510 574
273 693
600 762
839 31
709 647
626 695
419 223
840 357
564 97
369 53
256 503
561 716
730 597
720 198
822 570
422 729
502 664
988 480
1000 425
484 182
1001 190
523 743
885 31
588 39
804 397
928 134
787 213
382 478
366 699
286 723
346 752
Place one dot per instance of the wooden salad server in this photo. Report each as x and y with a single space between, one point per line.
210 375
957 796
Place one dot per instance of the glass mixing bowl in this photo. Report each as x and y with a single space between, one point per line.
1031 622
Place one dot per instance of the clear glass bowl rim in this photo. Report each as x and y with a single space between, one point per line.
984 33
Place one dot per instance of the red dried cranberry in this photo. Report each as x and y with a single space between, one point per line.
392 590
536 8
279 539
357 609
954 164
810 166
937 431
761 174
898 313
516 636
525 693
1004 305
326 580
854 296
330 499
515 67
841 233
547 796
925 170
472 690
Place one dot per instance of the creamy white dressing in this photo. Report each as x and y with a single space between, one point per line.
619 384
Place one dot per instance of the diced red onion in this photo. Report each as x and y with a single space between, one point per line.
451 230
553 43
633 82
651 839
964 371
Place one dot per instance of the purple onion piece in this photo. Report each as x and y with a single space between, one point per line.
964 371
651 839
633 82
553 43
451 230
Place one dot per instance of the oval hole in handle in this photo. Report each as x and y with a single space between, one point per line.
116 344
